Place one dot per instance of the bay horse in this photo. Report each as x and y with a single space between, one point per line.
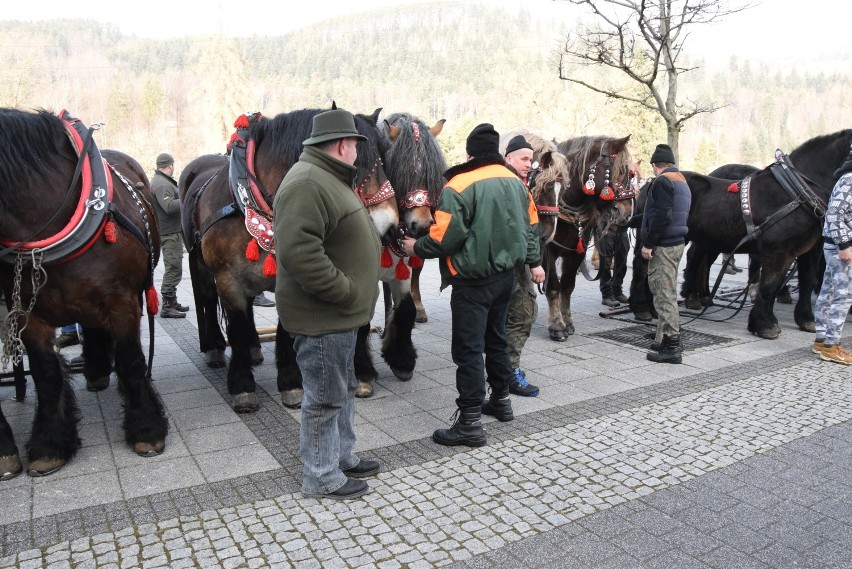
225 258
416 166
721 214
597 190
78 243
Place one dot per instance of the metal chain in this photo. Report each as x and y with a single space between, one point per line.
13 347
143 213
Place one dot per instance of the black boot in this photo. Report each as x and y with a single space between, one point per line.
170 308
655 345
499 406
467 429
670 351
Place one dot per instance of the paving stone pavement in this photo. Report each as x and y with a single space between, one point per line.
740 457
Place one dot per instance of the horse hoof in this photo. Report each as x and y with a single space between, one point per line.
256 355
769 333
421 317
97 384
10 466
364 389
642 316
45 466
246 403
706 301
558 335
692 303
569 330
784 298
402 374
149 449
807 327
292 399
215 358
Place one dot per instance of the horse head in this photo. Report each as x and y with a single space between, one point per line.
372 183
547 181
416 166
601 180
820 156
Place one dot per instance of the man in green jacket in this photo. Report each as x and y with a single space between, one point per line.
167 205
326 288
482 232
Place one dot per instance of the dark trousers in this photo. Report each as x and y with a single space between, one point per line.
479 326
613 250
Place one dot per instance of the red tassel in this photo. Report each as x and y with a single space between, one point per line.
402 273
734 188
151 301
607 194
415 262
386 259
580 247
269 267
241 122
110 232
253 251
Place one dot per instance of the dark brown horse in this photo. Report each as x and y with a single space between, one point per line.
220 245
595 191
79 243
717 219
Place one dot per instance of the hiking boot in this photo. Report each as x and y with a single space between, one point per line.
66 339
609 301
172 309
818 347
364 469
836 353
499 406
262 301
620 297
730 269
519 385
466 430
670 351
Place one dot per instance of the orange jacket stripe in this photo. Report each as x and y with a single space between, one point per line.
462 181
439 228
450 266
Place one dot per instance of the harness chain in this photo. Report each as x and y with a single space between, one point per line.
13 347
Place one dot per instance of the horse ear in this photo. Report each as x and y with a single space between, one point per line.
333 105
439 126
393 131
375 116
546 159
619 144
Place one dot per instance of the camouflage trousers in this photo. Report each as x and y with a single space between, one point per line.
832 305
522 312
662 280
171 246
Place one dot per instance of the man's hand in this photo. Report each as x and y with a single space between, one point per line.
408 245
845 255
647 253
537 274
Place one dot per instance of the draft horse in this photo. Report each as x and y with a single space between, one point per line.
78 243
595 191
227 224
775 215
416 166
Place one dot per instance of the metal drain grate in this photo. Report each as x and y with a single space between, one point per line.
634 336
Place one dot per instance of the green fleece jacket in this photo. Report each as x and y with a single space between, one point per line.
485 222
167 202
326 248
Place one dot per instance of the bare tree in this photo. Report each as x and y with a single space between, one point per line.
642 41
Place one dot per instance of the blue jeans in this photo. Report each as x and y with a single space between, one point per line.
327 436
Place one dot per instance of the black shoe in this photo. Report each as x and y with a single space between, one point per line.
171 312
609 301
519 385
66 339
670 351
499 407
621 298
466 431
363 469
352 489
261 300
180 307
76 363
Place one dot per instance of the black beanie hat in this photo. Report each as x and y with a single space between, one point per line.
663 153
517 143
483 139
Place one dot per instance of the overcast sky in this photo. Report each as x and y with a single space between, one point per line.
803 30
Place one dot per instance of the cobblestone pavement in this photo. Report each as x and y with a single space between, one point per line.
741 457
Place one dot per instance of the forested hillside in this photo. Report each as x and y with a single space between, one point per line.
466 63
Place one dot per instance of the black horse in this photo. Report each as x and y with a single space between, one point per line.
718 219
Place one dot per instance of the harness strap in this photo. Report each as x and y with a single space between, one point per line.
226 211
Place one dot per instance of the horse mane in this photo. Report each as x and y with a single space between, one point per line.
821 142
539 143
557 168
400 156
24 165
283 134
